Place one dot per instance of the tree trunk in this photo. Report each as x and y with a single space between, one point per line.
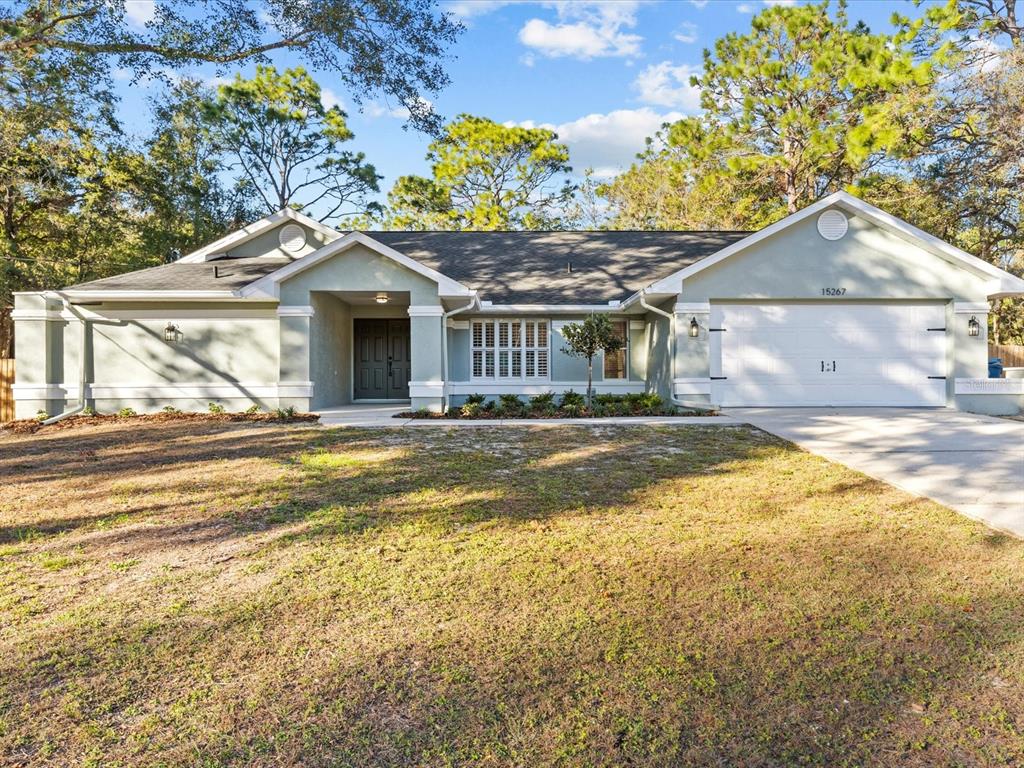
590 379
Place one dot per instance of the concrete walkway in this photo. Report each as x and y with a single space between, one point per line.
367 415
973 464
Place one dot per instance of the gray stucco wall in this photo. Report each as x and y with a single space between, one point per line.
331 352
869 262
269 244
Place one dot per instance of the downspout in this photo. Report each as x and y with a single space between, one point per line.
672 352
81 372
444 346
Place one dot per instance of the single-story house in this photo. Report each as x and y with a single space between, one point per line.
839 304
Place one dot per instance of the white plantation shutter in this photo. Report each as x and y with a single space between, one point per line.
510 350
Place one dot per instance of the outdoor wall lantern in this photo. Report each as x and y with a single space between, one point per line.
172 334
694 328
973 326
382 298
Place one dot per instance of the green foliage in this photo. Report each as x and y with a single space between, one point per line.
510 403
470 410
126 413
543 399
595 334
369 46
252 409
572 398
170 409
88 411
799 107
216 408
485 176
285 414
42 415
287 145
476 398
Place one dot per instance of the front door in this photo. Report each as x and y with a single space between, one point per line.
383 359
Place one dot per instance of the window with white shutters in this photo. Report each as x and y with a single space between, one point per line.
510 350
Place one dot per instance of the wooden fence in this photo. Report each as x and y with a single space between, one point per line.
6 394
1011 354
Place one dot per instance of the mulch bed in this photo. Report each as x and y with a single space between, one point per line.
31 426
495 415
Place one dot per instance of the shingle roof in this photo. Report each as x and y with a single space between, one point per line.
231 275
505 267
531 267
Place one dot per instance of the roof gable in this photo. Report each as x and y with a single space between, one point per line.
240 237
1002 282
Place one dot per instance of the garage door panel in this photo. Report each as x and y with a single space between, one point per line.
828 354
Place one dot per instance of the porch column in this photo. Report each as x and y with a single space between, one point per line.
38 355
294 388
693 355
426 389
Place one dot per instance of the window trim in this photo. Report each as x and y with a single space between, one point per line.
496 348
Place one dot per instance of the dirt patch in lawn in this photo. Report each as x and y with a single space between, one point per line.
266 595
32 426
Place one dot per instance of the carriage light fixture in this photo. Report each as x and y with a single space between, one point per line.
172 334
973 326
382 298
694 328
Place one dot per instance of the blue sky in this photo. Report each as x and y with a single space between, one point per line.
604 74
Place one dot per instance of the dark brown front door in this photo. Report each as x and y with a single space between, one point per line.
383 360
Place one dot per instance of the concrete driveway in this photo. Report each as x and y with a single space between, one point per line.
973 464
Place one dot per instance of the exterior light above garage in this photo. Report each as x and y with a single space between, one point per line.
694 328
172 333
382 298
973 326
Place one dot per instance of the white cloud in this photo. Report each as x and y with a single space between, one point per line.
745 8
464 10
687 32
668 85
986 55
139 11
585 30
780 2
330 99
608 143
374 109
698 3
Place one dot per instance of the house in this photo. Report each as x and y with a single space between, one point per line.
838 304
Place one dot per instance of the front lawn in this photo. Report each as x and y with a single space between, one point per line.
251 594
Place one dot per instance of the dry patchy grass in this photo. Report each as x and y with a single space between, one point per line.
214 594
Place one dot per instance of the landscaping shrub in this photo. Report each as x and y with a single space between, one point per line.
510 403
571 398
252 409
475 399
573 409
542 400
126 413
216 408
285 414
42 415
470 410
170 409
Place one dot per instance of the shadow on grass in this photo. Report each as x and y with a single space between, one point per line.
581 596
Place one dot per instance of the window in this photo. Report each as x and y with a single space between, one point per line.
615 362
510 349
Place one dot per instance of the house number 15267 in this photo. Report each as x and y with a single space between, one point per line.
833 291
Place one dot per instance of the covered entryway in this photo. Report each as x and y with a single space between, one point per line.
828 354
383 359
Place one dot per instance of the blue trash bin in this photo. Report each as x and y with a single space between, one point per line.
995 368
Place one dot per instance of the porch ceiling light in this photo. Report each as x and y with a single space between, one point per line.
382 298
694 328
171 333
973 326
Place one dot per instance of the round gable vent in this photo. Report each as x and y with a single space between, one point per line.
292 237
832 225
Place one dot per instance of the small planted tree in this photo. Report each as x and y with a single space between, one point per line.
586 339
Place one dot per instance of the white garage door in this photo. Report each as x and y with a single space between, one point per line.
828 354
